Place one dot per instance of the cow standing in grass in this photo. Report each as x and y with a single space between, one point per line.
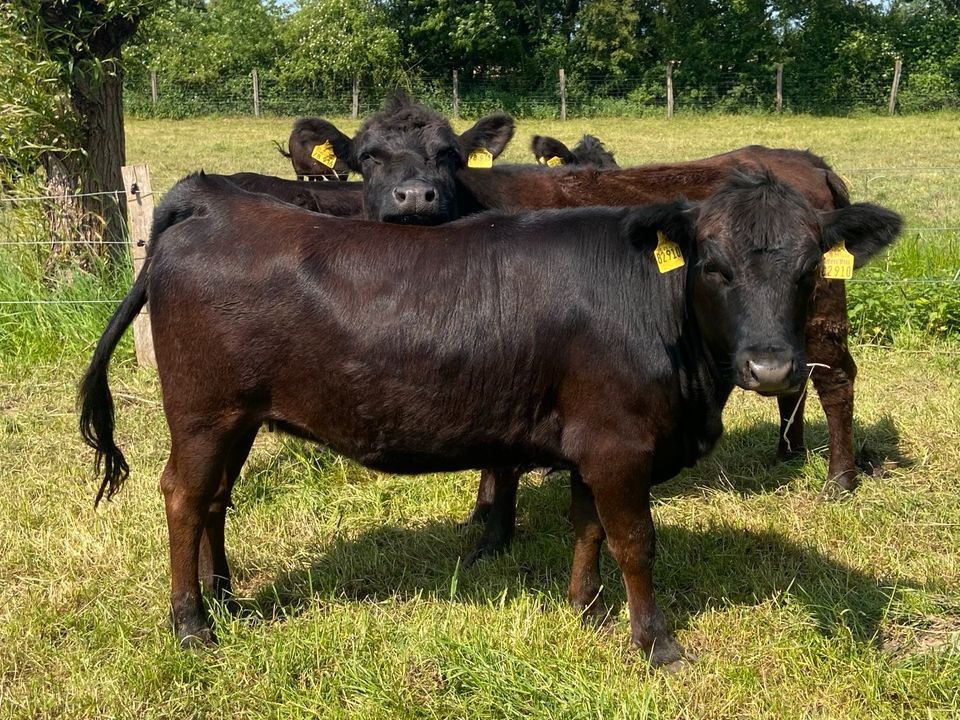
589 152
549 338
381 152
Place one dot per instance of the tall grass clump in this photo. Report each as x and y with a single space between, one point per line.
914 290
53 305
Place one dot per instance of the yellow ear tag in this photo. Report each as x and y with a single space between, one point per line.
554 161
542 160
480 158
324 154
838 263
668 254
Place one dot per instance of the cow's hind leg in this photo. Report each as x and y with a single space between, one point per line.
486 492
502 517
190 480
213 568
585 588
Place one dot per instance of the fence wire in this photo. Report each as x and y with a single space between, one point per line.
9 201
581 95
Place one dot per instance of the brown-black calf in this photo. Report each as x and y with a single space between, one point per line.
548 338
317 197
520 187
408 156
589 152
311 150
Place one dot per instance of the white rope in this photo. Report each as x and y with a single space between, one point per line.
793 415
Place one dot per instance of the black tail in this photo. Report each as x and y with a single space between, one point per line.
95 399
281 150
97 417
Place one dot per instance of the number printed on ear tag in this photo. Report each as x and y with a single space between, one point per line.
668 254
480 158
555 161
838 263
324 154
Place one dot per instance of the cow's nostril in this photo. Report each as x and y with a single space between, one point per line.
429 195
399 195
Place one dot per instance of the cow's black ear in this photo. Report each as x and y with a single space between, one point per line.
492 132
545 147
865 228
677 220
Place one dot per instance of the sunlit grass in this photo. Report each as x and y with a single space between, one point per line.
356 605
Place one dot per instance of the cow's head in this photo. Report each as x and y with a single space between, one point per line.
408 156
755 251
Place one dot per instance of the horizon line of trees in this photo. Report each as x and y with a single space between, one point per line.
844 50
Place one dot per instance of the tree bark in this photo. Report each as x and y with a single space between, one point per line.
99 103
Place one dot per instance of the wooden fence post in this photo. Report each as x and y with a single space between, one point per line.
355 107
136 185
256 94
895 87
670 88
153 88
456 96
779 88
563 94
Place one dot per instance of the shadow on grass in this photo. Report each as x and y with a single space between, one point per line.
696 569
745 459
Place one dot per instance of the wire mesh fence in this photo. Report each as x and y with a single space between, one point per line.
578 95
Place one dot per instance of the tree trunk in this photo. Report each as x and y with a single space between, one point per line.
100 105
95 223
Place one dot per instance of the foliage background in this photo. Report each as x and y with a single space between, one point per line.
838 55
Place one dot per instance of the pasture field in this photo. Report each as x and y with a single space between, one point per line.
354 601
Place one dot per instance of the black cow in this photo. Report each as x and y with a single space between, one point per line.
409 155
520 187
328 198
546 338
311 150
589 152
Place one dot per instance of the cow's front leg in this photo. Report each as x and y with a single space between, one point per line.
623 504
826 344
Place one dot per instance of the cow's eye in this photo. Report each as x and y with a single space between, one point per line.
715 272
808 273
447 155
367 157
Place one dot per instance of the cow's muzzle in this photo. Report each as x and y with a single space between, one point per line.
769 373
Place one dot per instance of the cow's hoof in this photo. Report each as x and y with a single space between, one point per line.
197 640
667 655
834 490
787 455
593 613
485 549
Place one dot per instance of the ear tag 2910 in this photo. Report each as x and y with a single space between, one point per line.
555 161
667 253
324 154
838 263
480 158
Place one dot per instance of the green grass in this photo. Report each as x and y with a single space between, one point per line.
356 607
355 604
